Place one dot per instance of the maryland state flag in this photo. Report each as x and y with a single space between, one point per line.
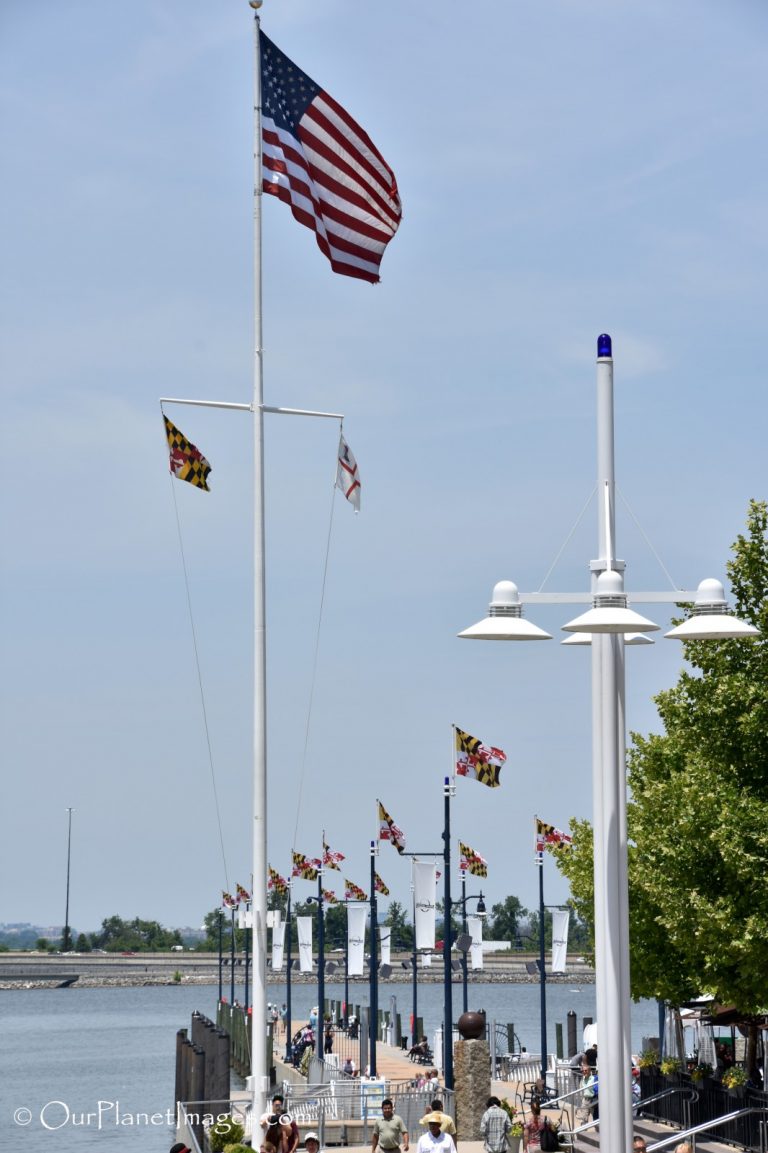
380 886
330 859
276 882
228 901
353 892
474 759
388 830
242 894
472 862
187 462
329 897
548 837
304 868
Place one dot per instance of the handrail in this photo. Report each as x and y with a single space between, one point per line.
693 1095
705 1126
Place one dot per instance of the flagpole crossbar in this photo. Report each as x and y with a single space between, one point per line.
207 403
301 412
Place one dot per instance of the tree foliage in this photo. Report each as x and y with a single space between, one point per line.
117 935
504 922
698 815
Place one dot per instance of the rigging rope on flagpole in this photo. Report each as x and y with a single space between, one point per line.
200 683
314 667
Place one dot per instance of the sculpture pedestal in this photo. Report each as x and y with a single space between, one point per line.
472 1081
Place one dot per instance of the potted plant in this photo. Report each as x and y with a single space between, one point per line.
735 1080
671 1067
648 1059
701 1071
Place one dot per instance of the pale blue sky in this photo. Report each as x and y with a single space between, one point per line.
566 168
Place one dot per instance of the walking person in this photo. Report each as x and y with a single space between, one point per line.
587 1110
389 1131
434 1140
446 1121
495 1126
532 1128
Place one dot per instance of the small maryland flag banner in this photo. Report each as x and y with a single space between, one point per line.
380 886
388 830
353 892
187 462
330 859
472 862
228 901
329 897
242 894
304 868
276 882
548 837
474 759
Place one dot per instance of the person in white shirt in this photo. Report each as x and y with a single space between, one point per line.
434 1140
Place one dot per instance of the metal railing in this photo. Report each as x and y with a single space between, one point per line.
758 1113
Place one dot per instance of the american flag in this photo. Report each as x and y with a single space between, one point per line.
316 159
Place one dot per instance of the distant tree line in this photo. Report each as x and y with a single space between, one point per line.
508 921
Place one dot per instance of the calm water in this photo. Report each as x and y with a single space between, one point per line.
67 1050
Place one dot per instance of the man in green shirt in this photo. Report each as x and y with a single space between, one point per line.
389 1130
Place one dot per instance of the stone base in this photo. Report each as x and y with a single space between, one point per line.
472 1083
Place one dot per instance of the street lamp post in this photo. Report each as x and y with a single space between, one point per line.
608 623
66 943
320 964
373 1024
289 962
447 968
481 913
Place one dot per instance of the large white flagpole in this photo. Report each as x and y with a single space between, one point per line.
259 1081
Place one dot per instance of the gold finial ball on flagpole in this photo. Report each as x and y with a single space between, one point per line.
255 3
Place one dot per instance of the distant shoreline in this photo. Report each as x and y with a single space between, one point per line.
136 981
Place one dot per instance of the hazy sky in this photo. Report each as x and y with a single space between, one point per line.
567 167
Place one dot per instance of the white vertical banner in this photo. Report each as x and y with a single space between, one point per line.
560 922
304 926
385 940
357 913
244 917
426 960
475 930
278 944
424 901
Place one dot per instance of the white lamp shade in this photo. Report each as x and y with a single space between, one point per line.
505 619
505 629
611 619
610 613
586 639
711 628
709 619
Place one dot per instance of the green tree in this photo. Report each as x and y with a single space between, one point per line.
117 935
504 923
402 930
83 944
698 815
